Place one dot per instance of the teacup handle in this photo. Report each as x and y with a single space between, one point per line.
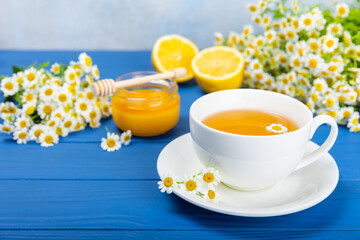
326 146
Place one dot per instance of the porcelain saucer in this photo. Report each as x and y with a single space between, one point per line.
301 190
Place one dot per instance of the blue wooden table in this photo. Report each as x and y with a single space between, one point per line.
76 190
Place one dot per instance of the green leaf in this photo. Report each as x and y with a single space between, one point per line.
278 14
45 64
17 69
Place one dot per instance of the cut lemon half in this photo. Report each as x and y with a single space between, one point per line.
218 68
173 51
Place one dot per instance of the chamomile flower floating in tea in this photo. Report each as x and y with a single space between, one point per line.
168 184
201 184
276 128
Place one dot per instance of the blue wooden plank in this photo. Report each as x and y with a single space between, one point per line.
126 205
157 234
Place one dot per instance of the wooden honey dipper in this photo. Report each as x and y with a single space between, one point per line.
107 87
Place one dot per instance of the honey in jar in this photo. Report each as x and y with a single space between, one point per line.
147 110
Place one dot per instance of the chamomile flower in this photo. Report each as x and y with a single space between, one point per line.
270 35
320 84
95 72
211 195
35 131
63 96
295 61
266 20
45 109
168 184
210 176
277 128
85 62
191 184
342 10
347 38
48 138
111 142
8 108
330 43
93 115
253 8
314 44
289 47
19 77
70 75
53 122
218 38
313 61
6 128
58 113
247 30
282 58
9 86
346 112
30 78
126 137
105 107
83 107
61 131
29 96
330 101
21 136
68 123
291 34
55 68
353 120
334 29
48 92
256 66
89 95
23 122
307 22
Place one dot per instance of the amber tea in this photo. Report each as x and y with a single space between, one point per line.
250 122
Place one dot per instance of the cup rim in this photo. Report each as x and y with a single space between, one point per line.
250 136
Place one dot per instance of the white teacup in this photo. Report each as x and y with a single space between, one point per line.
255 162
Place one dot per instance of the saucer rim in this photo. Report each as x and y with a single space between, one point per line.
209 206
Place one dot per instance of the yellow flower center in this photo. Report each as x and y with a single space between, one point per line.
6 129
342 10
96 72
19 80
209 177
330 102
9 86
4 110
291 34
83 106
252 8
269 36
314 97
356 129
47 109
88 61
12 109
68 124
58 115
290 48
313 34
282 36
56 69
296 62
330 43
282 59
285 81
355 121
332 68
301 51
110 142
308 104
90 95
93 114
211 194
259 76
332 113
314 46
48 92
106 108
52 123
260 42
346 114
72 76
29 97
246 31
342 99
307 21
127 137
31 76
23 124
78 73
168 182
191 185
48 139
313 63
38 132
59 131
276 128
335 29
22 135
62 97
296 24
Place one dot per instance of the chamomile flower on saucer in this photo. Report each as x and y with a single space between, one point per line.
126 137
111 142
21 136
342 10
168 184
191 184
276 128
9 86
55 68
48 138
23 122
6 128
85 62
45 109
30 78
35 131
210 176
211 195
48 92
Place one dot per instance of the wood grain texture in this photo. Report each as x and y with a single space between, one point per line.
76 190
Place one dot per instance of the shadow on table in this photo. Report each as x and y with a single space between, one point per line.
306 223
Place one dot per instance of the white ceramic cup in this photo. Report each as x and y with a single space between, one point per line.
255 162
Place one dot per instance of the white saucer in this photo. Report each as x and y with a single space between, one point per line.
301 190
